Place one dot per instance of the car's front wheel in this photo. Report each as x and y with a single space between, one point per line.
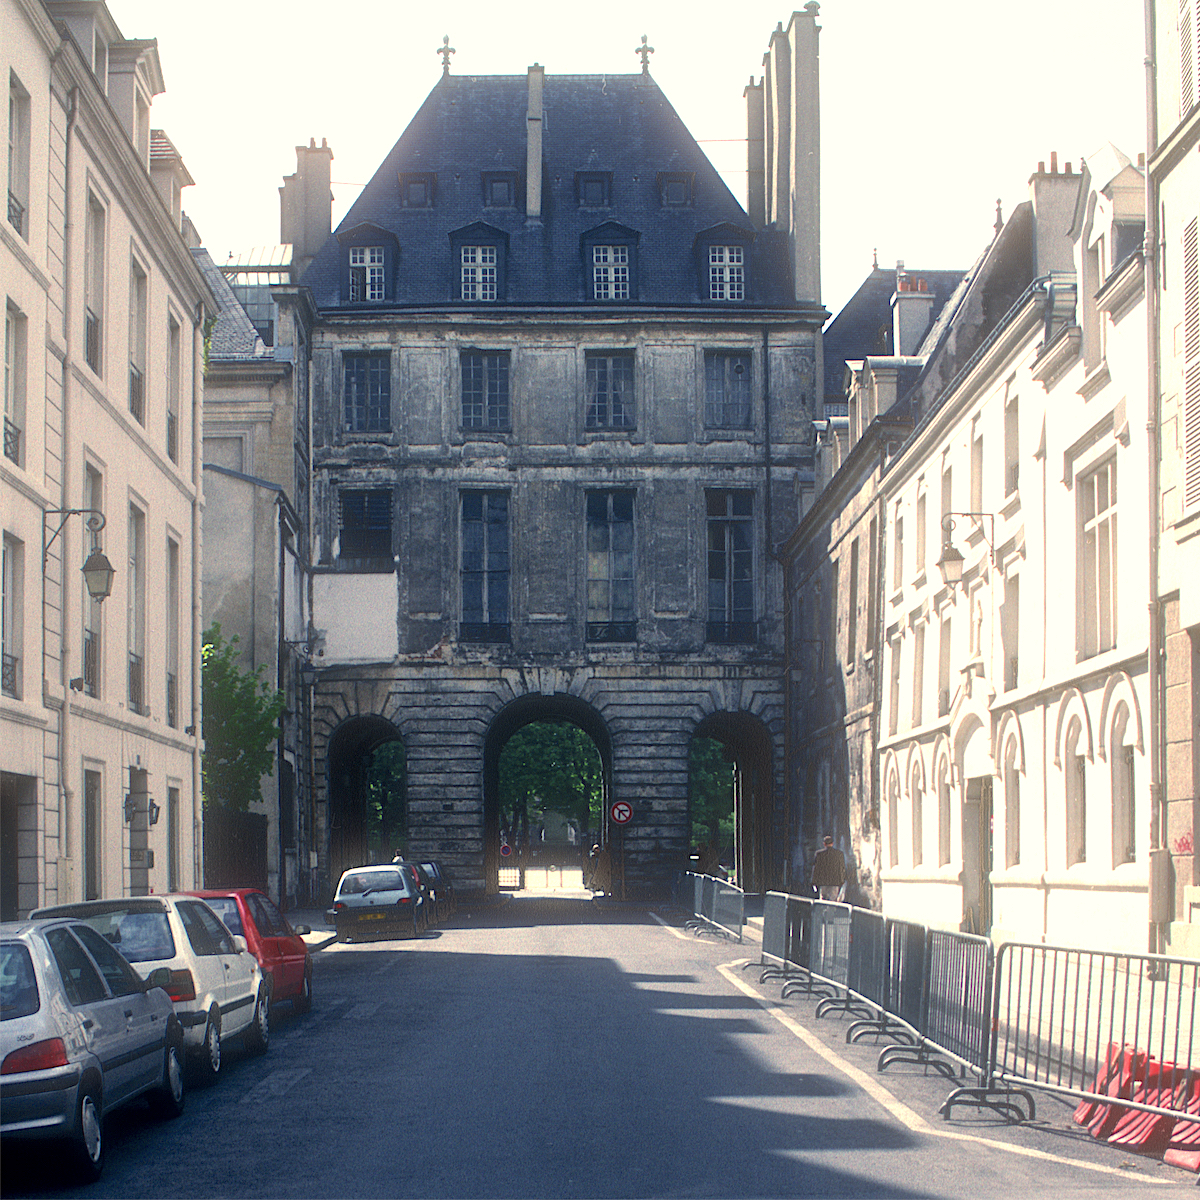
210 1049
303 1001
258 1036
87 1144
168 1098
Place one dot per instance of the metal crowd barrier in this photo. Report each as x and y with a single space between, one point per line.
717 906
786 924
828 968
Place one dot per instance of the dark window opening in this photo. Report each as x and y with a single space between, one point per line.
368 392
366 526
485 390
610 391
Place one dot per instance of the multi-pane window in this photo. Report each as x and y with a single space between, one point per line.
367 396
611 607
174 383
18 156
94 264
485 567
610 391
172 632
485 389
730 566
138 288
366 525
136 610
610 272
366 273
478 265
1097 588
14 382
726 390
10 620
726 273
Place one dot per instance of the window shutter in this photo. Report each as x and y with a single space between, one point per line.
1187 58
1191 365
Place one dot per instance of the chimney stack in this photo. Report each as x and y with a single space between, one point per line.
306 204
533 147
1054 194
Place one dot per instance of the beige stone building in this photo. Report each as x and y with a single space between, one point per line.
104 308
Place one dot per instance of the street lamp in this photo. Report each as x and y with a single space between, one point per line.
98 572
951 562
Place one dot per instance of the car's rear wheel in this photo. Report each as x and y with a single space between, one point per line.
210 1049
87 1142
303 1001
168 1099
258 1036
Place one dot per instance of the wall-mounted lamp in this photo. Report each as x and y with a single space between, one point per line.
98 572
130 808
951 562
189 730
154 811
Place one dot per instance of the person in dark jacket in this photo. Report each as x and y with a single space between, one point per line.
829 871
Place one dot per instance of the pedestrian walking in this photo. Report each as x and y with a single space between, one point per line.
829 871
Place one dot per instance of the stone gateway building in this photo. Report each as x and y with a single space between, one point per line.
562 397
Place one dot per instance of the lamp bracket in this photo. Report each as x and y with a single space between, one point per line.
978 518
95 522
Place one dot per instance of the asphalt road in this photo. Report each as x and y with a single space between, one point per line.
561 1047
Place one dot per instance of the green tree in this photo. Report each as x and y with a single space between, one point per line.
241 723
387 799
549 766
711 793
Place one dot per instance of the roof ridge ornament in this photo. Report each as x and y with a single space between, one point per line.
645 51
445 50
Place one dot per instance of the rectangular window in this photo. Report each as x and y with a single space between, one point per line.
920 548
95 257
944 645
10 619
172 633
137 342
91 835
478 272
872 581
831 614
731 566
977 473
610 272
610 391
1012 454
1097 587
726 390
918 692
367 395
947 506
15 346
366 273
726 273
172 839
174 384
894 687
136 611
18 156
611 605
485 567
93 610
898 554
852 607
366 526
485 389
1012 806
1010 630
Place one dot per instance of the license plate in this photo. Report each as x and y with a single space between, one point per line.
373 916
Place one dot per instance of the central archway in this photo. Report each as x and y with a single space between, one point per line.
524 711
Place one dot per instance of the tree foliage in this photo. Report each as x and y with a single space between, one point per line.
241 723
549 766
387 799
712 793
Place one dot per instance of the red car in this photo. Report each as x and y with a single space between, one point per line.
279 948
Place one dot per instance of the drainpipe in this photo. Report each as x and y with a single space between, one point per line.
197 615
1160 854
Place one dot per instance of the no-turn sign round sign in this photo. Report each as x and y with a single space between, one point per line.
621 812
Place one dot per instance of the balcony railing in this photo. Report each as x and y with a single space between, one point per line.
172 698
172 437
12 441
8 675
137 394
92 340
16 214
91 662
137 684
485 631
731 633
612 631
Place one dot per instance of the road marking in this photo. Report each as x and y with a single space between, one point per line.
275 1085
905 1115
683 937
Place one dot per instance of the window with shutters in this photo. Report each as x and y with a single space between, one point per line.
1189 37
1191 365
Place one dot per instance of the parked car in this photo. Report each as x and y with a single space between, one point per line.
80 1034
425 886
284 958
443 890
216 984
370 901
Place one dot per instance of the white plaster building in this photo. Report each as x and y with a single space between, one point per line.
104 308
1015 704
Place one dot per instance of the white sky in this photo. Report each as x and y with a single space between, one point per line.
930 109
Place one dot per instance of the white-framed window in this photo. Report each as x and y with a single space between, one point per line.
138 301
893 686
944 647
1120 757
10 618
135 593
95 260
1074 765
726 273
15 331
478 272
1012 805
893 804
18 157
943 793
918 692
174 385
366 273
1097 554
1012 448
917 791
610 272
919 551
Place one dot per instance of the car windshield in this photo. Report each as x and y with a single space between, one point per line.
226 908
386 880
18 985
140 936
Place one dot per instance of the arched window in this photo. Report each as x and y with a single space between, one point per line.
1120 758
1075 778
918 819
943 793
894 819
1012 805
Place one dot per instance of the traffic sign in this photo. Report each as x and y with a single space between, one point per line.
505 849
621 812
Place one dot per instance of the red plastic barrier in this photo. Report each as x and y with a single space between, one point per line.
1143 1132
1183 1150
1124 1068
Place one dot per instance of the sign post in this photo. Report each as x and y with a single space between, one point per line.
621 813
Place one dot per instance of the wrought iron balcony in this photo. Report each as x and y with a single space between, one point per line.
92 340
91 662
12 441
731 633
8 675
137 394
611 631
137 684
16 214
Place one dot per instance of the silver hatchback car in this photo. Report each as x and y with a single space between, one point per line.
80 1034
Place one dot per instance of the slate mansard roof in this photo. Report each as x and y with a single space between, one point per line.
622 126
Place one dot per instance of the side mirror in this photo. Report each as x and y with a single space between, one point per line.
301 930
159 977
239 944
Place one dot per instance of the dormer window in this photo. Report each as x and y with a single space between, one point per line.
366 273
499 189
675 189
480 257
610 272
594 189
416 189
726 273
609 254
478 272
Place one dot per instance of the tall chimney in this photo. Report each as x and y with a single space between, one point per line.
805 181
533 147
306 204
756 200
